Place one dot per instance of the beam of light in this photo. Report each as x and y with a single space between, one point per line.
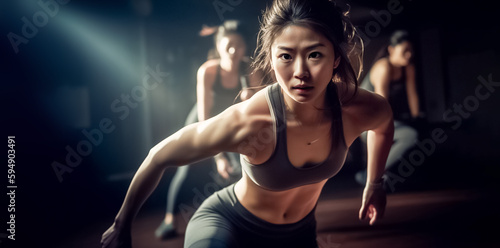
103 43
119 42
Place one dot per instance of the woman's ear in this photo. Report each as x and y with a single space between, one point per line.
336 63
271 65
390 49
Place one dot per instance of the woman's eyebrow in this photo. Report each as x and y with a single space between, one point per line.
286 48
311 47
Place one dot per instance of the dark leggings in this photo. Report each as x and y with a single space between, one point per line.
182 171
222 222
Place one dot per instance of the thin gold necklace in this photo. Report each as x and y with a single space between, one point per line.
300 124
319 124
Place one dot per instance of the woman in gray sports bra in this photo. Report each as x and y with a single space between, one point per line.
292 137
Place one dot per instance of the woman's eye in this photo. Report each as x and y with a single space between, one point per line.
285 56
315 55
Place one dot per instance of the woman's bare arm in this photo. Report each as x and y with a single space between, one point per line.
204 88
380 76
371 112
379 142
225 132
411 91
380 139
190 144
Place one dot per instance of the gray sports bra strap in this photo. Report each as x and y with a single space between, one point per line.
278 108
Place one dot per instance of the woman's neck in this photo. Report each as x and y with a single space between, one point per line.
308 114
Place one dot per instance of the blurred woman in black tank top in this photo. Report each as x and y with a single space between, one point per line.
224 79
393 76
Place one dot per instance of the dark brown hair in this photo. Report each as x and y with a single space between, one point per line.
227 28
323 16
397 37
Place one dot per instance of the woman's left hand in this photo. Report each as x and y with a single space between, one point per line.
373 204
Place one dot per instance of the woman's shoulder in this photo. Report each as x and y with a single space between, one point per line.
210 66
368 99
381 65
363 104
238 124
257 104
207 73
382 62
255 110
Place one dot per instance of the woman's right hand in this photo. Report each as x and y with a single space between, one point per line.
116 237
373 203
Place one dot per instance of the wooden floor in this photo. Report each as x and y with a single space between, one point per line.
444 218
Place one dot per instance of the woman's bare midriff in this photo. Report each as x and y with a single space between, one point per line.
278 207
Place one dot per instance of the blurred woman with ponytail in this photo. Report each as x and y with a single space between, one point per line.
224 79
393 77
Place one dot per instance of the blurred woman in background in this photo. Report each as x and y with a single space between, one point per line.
393 77
224 79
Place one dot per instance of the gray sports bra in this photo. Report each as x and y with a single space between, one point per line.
278 173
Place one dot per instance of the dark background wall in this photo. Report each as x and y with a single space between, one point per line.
65 90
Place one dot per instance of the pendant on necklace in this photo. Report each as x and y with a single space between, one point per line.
311 142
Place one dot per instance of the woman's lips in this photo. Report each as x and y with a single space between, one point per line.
302 88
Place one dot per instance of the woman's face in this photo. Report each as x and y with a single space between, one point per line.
303 61
232 47
401 53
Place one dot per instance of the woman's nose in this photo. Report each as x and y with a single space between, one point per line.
301 70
